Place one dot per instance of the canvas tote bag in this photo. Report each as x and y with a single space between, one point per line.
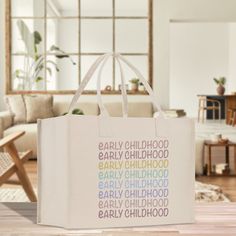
102 171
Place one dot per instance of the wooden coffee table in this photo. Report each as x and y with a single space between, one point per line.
209 145
210 219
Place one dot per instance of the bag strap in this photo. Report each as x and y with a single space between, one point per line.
85 81
145 83
92 70
123 90
102 59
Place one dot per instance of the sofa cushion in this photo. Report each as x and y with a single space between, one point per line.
6 118
38 107
28 141
89 108
15 104
135 109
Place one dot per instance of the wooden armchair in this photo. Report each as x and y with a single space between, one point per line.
13 162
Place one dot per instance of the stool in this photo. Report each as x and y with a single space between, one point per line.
231 116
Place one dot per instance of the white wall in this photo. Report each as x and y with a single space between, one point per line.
198 53
2 53
181 10
232 58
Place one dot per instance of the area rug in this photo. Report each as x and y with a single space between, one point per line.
209 193
203 193
13 195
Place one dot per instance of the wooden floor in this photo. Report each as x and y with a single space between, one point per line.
228 184
210 219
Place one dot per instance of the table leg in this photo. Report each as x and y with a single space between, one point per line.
227 155
209 161
228 116
234 159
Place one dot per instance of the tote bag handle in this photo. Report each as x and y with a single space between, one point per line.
103 110
85 81
145 83
90 73
87 78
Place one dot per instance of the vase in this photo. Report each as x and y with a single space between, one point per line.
220 90
134 87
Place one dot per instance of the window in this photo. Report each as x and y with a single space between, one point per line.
52 43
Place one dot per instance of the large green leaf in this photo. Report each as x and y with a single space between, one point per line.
27 37
54 48
54 64
77 111
19 72
37 37
38 79
49 70
36 73
38 62
60 53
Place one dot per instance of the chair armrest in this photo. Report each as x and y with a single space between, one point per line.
6 121
213 101
10 138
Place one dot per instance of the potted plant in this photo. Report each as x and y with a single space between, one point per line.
34 63
221 81
134 84
76 111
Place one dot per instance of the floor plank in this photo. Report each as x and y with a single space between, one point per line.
210 219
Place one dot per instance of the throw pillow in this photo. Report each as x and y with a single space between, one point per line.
38 107
16 106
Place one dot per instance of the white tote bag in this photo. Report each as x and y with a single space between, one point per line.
102 172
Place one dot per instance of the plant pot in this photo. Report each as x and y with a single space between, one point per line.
220 90
134 87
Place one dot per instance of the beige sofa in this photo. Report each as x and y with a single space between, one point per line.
136 109
29 140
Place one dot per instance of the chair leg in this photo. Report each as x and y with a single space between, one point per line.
234 119
214 114
219 114
21 173
228 118
203 116
199 113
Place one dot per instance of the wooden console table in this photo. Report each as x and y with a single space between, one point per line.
211 219
209 145
227 101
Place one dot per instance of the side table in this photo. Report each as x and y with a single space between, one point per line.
209 145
